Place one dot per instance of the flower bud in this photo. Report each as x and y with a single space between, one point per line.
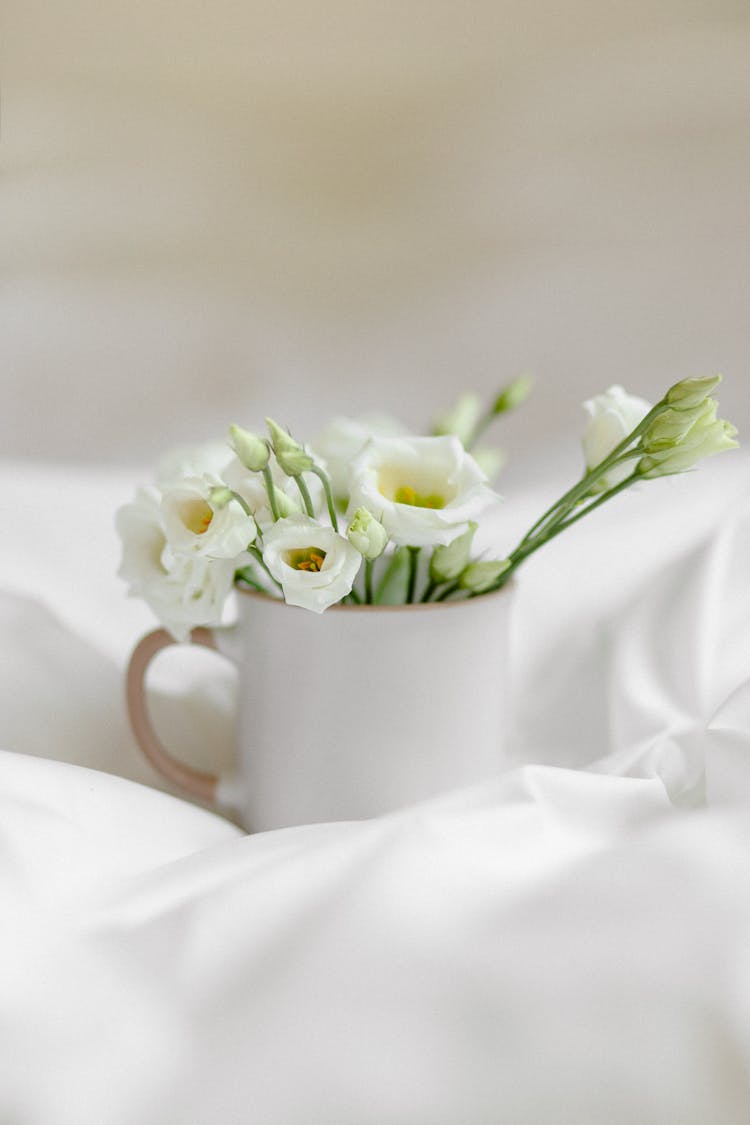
513 395
461 419
367 534
289 453
691 392
219 497
251 450
480 576
672 426
285 506
703 440
449 561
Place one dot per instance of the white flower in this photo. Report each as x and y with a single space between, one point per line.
314 564
182 590
344 438
422 489
610 418
194 526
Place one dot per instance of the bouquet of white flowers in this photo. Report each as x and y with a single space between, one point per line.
372 515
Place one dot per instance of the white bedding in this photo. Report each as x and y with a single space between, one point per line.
567 943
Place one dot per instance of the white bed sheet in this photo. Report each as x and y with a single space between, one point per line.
567 943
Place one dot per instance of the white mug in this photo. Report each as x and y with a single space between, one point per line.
351 713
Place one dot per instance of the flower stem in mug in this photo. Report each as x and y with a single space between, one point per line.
413 567
261 562
246 575
391 590
369 567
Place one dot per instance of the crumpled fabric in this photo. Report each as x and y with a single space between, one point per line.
567 942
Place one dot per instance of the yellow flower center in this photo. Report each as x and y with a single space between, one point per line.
196 515
405 494
306 558
416 486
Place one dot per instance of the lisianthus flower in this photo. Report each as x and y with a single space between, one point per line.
422 489
183 590
314 564
341 441
194 526
610 417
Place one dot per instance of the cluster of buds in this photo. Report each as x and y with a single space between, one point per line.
685 430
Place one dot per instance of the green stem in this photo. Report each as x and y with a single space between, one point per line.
271 490
447 592
324 478
430 590
580 490
413 564
354 597
306 499
595 504
246 575
525 549
369 568
242 503
259 559
621 452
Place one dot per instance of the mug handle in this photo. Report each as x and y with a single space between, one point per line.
197 783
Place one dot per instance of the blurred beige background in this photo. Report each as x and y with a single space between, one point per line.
210 212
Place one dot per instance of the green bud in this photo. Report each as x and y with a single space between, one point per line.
672 426
367 534
449 561
705 436
480 576
285 506
513 395
691 392
219 497
289 453
461 419
251 450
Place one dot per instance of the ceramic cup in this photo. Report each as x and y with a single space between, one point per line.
351 713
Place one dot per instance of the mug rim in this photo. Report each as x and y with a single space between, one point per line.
508 588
